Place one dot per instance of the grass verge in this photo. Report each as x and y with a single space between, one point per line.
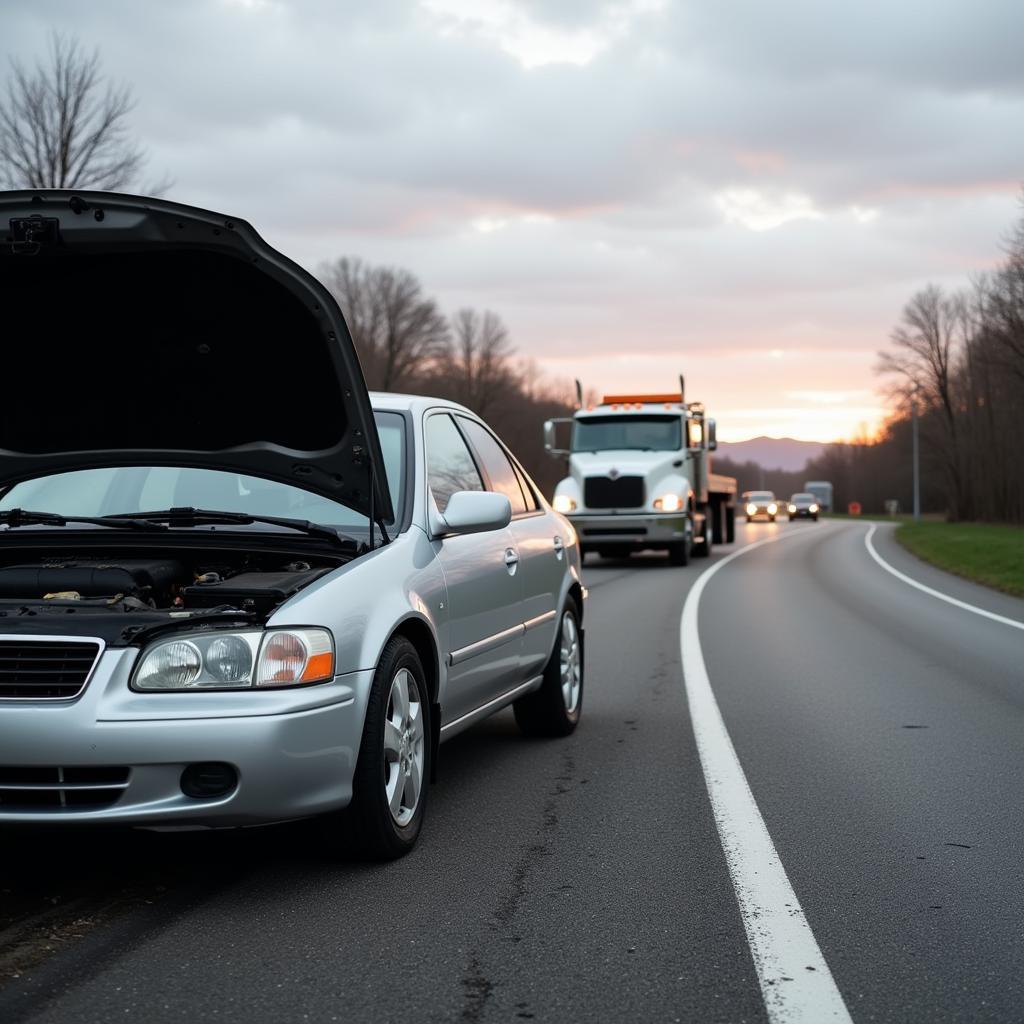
992 555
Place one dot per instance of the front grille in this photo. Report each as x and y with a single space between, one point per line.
47 788
622 492
45 669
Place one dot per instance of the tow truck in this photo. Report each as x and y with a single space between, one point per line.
640 477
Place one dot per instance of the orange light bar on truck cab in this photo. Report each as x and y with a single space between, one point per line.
628 400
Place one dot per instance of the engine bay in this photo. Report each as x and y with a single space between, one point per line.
171 583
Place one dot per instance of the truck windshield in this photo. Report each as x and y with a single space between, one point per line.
618 433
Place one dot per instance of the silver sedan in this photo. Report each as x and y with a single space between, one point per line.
279 603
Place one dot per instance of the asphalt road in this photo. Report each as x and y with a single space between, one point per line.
881 732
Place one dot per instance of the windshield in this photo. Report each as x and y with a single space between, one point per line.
802 497
128 490
762 496
617 433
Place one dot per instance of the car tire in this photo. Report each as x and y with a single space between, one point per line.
772 518
554 709
390 783
791 518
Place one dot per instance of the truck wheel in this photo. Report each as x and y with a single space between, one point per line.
679 554
703 549
554 709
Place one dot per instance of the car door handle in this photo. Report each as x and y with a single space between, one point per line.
559 548
511 560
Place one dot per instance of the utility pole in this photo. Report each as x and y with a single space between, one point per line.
917 469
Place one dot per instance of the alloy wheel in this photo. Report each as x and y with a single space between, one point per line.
404 751
570 662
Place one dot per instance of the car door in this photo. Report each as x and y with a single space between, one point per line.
542 564
483 582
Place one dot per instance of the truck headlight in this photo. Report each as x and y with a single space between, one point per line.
563 503
234 661
669 503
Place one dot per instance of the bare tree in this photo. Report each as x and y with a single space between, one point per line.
399 333
63 126
483 369
929 342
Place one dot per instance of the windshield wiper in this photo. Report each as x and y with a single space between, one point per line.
16 517
212 517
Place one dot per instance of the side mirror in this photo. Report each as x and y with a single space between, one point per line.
551 445
694 433
712 440
476 512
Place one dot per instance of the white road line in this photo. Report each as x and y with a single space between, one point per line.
1015 623
796 982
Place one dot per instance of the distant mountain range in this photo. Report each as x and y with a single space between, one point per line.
772 452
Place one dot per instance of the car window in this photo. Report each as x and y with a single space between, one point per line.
531 499
450 467
130 489
496 462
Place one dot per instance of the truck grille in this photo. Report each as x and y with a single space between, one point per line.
47 788
45 669
622 492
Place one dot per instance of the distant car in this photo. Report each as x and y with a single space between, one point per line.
271 595
761 503
803 506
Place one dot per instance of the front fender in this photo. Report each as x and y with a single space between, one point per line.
364 602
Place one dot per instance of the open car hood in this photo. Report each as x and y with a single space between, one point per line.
140 332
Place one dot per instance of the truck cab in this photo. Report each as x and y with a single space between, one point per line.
639 478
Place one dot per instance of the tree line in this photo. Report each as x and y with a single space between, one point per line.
406 343
958 357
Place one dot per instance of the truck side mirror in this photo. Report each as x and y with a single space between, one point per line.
712 440
551 437
694 434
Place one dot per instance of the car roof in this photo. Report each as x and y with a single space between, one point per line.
391 401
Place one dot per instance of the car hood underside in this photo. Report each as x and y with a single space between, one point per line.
141 332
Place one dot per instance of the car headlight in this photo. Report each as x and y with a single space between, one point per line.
563 503
234 661
751 510
812 508
772 509
792 509
669 503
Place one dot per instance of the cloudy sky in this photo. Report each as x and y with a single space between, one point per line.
744 191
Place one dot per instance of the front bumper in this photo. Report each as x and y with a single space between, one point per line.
632 530
294 751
